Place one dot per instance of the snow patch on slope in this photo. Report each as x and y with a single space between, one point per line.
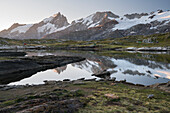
90 22
22 29
48 19
50 28
62 28
125 23
160 25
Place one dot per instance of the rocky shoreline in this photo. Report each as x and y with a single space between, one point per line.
3 54
162 86
86 48
148 49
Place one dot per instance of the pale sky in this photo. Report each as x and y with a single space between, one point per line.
32 11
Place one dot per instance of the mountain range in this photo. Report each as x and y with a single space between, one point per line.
99 25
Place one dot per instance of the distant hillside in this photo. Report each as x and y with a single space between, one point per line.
155 40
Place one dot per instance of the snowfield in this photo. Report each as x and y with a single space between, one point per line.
22 29
125 23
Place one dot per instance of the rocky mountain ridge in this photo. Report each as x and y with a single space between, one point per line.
99 25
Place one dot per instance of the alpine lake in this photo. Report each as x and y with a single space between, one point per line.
144 68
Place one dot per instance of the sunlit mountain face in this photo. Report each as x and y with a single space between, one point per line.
99 25
137 68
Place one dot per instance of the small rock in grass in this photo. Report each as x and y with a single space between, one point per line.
122 81
101 79
51 82
155 85
112 79
78 82
113 84
66 80
168 84
112 96
94 79
81 79
2 86
140 85
150 96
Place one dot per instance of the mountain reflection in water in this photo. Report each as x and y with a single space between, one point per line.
138 68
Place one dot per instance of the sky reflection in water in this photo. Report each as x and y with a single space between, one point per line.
159 72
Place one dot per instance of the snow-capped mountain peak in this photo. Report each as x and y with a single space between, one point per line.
96 26
57 14
49 25
53 24
46 20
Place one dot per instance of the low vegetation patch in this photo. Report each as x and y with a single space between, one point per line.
156 40
91 97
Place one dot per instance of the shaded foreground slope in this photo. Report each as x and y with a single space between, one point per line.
84 97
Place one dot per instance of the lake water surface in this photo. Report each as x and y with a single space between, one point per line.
139 68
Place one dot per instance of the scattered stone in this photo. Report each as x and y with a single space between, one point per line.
133 72
35 109
140 85
112 79
66 80
114 71
112 96
151 96
59 82
152 16
113 84
78 82
27 85
130 83
81 79
59 90
7 88
2 86
154 85
168 84
122 81
165 87
51 82
12 53
93 79
149 72
101 79
105 75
